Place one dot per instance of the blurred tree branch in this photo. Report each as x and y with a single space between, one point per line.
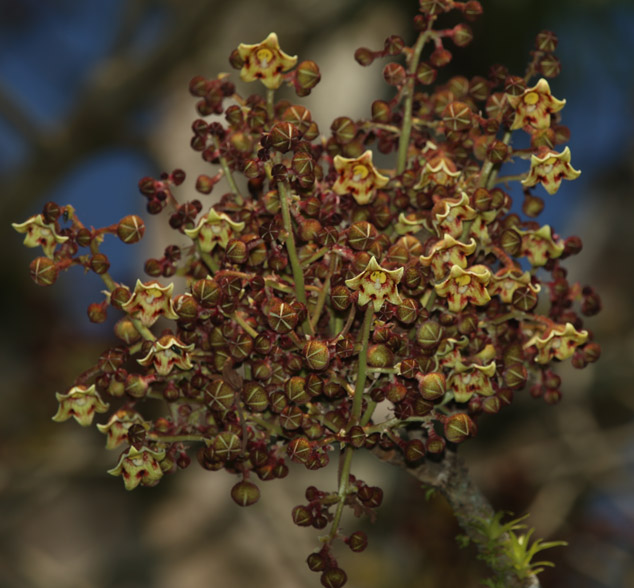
451 478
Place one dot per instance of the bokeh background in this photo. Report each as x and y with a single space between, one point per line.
93 96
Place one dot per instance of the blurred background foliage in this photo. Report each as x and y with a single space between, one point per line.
93 96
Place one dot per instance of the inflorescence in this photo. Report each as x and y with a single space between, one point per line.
321 287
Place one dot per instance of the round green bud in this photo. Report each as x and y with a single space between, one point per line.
43 271
245 493
130 229
316 355
459 427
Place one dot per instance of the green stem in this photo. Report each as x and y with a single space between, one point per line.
228 174
488 174
243 323
357 401
344 480
175 438
406 129
142 329
369 411
208 260
315 256
321 298
296 268
270 103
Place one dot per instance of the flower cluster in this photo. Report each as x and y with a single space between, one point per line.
321 286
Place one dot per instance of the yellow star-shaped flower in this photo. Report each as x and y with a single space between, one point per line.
139 466
149 301
534 106
166 354
464 286
214 229
80 403
358 176
40 233
549 169
377 284
560 343
265 61
446 253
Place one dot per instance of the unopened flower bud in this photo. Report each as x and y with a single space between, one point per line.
302 516
432 386
43 271
358 541
546 41
532 205
97 312
364 56
426 74
333 578
381 112
340 297
245 493
125 330
414 451
283 136
206 292
316 355
99 263
394 74
393 45
511 242
524 299
515 376
458 427
307 75
429 335
380 356
299 449
462 35
316 562
343 130
440 57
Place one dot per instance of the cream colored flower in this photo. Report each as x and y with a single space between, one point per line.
560 342
446 253
149 301
462 287
538 246
214 229
166 354
439 171
80 403
549 169
476 379
450 215
139 466
116 429
40 233
505 281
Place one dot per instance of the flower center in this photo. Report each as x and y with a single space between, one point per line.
378 278
531 98
359 172
463 282
264 56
